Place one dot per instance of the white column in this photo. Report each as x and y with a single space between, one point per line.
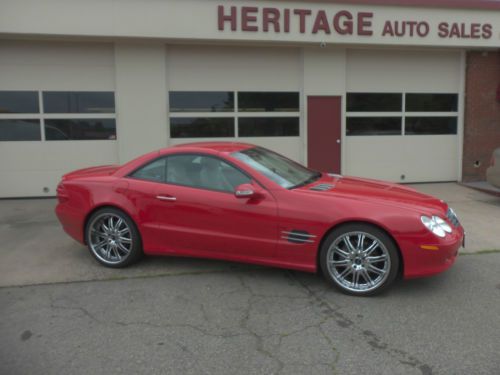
141 98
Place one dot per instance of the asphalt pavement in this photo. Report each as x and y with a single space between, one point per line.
255 320
62 313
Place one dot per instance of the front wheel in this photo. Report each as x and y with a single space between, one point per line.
359 259
113 238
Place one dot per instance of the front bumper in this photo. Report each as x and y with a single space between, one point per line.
429 255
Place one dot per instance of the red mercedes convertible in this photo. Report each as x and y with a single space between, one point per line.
245 203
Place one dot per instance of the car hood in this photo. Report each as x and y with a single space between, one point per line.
387 193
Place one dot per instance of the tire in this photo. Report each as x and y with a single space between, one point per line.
360 269
112 238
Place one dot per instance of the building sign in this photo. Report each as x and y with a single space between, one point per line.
343 22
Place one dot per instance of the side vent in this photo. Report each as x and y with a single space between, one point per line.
298 236
322 187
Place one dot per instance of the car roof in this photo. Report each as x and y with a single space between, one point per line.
226 147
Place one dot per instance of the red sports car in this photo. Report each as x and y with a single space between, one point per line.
245 203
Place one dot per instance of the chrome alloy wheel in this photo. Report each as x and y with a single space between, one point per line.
358 261
110 238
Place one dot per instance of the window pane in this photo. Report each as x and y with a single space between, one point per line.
79 129
268 126
365 102
373 126
430 125
431 102
268 101
78 102
20 130
201 127
184 170
201 101
276 167
19 102
204 172
218 175
155 171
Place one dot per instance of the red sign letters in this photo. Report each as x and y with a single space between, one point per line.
343 22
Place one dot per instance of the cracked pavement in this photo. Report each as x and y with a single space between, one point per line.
62 313
254 320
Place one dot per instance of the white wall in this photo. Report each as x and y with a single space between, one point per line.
27 167
141 98
390 70
419 157
212 67
183 20
141 74
30 65
231 68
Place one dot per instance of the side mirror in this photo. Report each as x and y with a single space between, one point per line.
244 191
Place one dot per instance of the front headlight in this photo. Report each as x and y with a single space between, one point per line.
436 225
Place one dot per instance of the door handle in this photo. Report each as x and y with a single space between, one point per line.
166 198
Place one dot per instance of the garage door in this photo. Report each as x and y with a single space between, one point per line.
57 113
233 93
403 115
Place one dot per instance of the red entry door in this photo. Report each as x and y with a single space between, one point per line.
323 133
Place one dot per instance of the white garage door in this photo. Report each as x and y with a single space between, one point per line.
403 115
56 113
234 93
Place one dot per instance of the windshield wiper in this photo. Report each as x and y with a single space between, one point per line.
307 181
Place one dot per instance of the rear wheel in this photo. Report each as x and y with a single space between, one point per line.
359 259
113 238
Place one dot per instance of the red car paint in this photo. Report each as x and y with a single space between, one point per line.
212 224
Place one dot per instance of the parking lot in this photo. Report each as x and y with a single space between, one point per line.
63 313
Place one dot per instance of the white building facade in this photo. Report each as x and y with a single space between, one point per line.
368 90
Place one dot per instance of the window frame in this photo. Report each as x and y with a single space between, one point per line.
24 119
76 96
42 116
193 110
37 101
235 114
403 114
203 117
230 163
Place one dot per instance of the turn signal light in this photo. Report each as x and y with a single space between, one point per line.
429 247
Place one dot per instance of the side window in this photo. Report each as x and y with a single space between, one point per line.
216 174
154 171
205 172
183 170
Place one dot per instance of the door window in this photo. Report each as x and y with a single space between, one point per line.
198 171
154 171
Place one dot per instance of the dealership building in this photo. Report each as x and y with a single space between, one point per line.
406 91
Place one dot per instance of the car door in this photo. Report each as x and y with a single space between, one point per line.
142 186
198 213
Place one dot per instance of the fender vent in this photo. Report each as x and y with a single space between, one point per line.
322 187
298 236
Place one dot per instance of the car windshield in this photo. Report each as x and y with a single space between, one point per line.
277 168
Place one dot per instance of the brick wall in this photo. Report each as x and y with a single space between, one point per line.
482 113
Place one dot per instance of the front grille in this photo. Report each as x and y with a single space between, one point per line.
452 217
